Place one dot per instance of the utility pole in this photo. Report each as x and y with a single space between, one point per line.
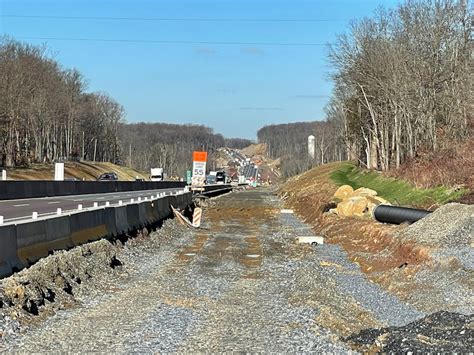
83 137
130 155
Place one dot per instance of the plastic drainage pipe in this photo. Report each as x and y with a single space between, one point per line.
398 215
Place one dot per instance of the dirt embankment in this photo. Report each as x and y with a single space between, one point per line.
405 266
81 171
269 169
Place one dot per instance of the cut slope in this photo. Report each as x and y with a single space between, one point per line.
82 171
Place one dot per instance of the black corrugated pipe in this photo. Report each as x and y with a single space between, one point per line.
398 215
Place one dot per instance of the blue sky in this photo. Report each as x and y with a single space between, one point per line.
233 88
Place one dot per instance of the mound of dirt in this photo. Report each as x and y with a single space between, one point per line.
255 150
451 225
55 282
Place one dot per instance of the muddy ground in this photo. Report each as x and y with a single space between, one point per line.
240 283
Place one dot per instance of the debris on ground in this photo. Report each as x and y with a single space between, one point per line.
441 332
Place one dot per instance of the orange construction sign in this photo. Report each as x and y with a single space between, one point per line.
200 156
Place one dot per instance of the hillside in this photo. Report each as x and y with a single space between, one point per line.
82 171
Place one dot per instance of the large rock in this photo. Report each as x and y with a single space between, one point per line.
370 209
353 206
359 205
377 200
363 191
344 192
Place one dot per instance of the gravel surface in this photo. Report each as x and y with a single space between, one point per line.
447 236
239 284
451 225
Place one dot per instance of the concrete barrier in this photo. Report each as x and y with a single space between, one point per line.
37 188
216 190
88 226
159 207
145 211
24 243
121 219
133 216
8 251
31 241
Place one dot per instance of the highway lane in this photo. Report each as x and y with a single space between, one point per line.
13 210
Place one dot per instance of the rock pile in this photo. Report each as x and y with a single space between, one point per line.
356 203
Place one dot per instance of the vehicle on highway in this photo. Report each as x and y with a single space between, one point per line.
222 178
156 174
210 179
108 177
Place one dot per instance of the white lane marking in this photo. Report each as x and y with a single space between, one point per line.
22 205
100 198
78 200
54 202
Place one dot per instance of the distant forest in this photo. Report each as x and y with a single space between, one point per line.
47 114
165 145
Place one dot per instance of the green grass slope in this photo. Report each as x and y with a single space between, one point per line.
396 191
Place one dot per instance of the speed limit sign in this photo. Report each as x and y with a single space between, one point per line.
199 170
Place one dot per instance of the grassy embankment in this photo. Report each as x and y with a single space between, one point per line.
83 171
396 191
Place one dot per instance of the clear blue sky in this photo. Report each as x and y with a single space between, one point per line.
233 88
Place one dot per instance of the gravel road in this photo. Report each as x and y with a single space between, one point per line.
240 283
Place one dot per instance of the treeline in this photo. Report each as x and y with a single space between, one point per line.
403 82
237 143
289 142
169 146
46 113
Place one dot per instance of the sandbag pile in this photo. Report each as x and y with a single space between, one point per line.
356 203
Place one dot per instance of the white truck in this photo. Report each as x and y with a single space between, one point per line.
156 174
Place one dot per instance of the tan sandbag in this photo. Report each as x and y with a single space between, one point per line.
363 191
343 192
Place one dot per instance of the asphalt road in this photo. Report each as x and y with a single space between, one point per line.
13 210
